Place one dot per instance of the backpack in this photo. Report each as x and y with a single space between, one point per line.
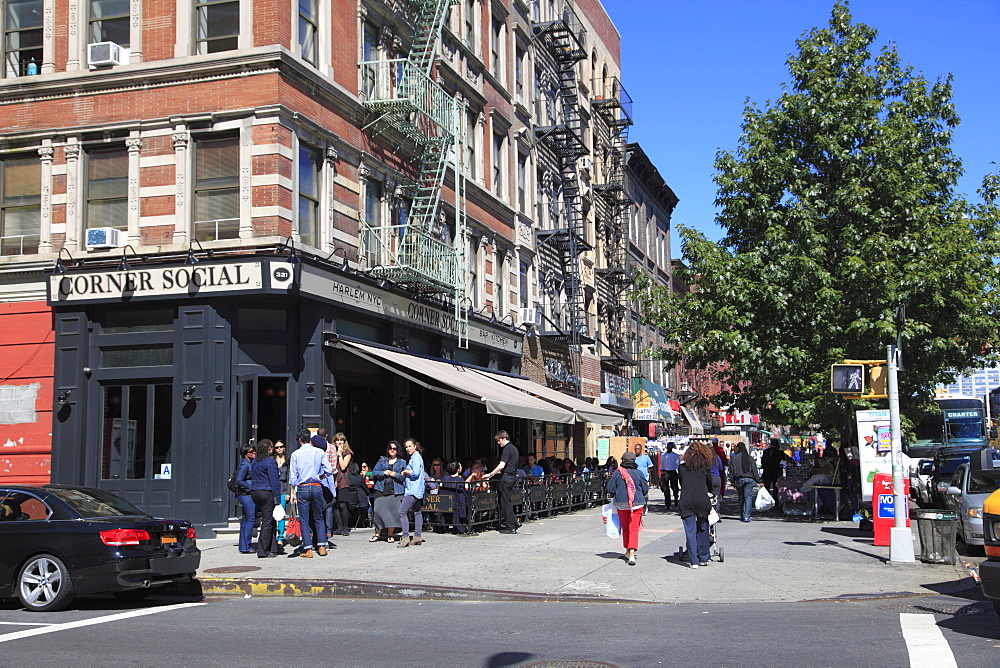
232 484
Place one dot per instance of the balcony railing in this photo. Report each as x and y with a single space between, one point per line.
610 94
390 86
402 254
19 244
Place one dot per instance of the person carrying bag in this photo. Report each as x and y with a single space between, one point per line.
630 488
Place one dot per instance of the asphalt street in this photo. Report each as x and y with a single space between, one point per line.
260 631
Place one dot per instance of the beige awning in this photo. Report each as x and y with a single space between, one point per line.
585 412
464 382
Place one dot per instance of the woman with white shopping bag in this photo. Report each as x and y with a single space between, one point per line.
630 488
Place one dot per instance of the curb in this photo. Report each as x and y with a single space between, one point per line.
361 589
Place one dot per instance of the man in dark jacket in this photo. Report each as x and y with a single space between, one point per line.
771 462
743 472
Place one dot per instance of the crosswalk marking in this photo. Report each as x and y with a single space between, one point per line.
27 633
925 642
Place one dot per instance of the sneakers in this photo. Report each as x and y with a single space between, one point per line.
705 563
694 565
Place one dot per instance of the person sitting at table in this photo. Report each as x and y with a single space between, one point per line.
454 485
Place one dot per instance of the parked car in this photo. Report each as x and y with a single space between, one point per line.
966 493
59 541
946 462
921 488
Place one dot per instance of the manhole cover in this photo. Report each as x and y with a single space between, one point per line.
570 664
232 569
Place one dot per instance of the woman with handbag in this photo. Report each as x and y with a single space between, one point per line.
695 504
342 482
630 488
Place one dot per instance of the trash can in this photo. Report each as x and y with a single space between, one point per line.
937 529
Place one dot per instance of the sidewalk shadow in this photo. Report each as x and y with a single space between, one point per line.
833 543
610 555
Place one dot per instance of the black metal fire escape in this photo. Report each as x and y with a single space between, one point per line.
563 44
613 109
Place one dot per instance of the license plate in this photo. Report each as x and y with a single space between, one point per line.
168 539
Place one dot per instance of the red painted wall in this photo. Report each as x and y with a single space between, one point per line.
26 358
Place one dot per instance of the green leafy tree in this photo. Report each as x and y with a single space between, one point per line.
839 206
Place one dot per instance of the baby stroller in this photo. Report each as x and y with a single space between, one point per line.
714 549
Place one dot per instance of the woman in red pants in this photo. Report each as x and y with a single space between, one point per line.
630 488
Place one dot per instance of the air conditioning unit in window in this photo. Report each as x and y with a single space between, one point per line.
100 54
104 237
530 317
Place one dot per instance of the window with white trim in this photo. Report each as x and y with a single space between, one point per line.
522 186
308 22
22 37
498 55
107 188
108 21
216 187
472 144
469 24
499 164
310 163
20 204
218 25
520 55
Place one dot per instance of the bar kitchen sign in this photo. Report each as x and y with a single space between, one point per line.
187 280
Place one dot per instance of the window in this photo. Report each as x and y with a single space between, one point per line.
519 75
22 37
523 284
308 20
500 284
137 431
109 21
217 188
309 186
474 262
372 200
499 164
21 205
497 50
522 176
369 52
107 188
469 27
218 25
472 122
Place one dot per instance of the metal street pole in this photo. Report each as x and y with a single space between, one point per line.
900 537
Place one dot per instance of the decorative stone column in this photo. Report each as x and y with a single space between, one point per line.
134 145
182 215
328 231
45 152
73 218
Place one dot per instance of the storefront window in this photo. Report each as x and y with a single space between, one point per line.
551 439
265 319
124 321
135 448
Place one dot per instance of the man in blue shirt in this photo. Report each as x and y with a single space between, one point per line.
309 472
669 461
642 461
531 469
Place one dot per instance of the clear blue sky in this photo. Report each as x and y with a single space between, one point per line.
689 67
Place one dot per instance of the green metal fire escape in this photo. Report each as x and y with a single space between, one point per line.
613 109
416 114
563 41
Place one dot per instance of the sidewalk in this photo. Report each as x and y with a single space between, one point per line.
569 557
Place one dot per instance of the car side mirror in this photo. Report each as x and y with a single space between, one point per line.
954 490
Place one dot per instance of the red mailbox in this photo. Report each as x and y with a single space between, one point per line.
883 506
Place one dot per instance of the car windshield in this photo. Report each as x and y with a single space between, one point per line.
96 503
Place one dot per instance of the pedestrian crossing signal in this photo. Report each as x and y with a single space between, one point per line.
847 379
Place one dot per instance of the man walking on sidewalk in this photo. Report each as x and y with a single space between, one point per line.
507 467
307 471
669 461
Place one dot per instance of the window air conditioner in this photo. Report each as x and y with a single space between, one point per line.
104 237
586 163
106 53
530 317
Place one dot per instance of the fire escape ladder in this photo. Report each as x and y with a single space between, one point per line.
416 113
613 110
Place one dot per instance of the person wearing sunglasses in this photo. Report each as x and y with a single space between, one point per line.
387 493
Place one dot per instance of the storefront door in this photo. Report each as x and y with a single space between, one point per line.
136 440
262 409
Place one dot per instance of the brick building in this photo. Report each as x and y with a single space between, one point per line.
225 220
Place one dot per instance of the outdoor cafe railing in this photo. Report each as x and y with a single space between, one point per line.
532 497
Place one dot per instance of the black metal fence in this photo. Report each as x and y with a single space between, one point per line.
475 506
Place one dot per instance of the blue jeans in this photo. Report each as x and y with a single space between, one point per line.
309 501
696 530
744 487
246 521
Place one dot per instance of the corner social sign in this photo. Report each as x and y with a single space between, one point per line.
188 280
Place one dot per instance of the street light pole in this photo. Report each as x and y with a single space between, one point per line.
900 537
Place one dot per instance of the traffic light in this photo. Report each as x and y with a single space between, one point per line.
860 379
847 379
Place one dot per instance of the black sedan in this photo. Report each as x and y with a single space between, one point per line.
58 541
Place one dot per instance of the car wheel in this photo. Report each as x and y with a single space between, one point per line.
44 584
133 594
